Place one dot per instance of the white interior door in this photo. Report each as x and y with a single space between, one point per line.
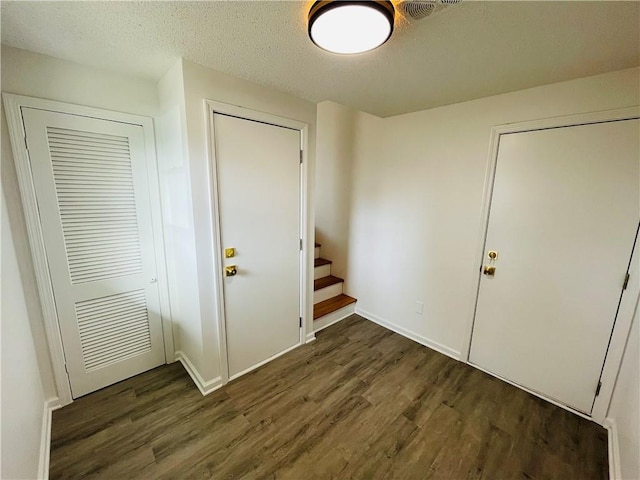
91 183
258 169
563 219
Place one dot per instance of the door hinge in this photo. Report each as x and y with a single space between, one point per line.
626 282
300 323
300 156
300 244
598 388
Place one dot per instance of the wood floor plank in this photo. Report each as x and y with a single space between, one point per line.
359 402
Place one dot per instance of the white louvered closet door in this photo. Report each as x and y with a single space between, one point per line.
92 189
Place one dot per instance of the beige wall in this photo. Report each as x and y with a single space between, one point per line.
334 166
178 223
23 395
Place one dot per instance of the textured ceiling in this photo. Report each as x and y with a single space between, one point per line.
468 51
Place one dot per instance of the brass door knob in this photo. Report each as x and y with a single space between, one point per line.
230 271
490 271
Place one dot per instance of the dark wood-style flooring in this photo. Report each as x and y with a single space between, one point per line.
359 402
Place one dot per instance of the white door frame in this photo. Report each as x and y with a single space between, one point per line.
306 271
627 307
12 106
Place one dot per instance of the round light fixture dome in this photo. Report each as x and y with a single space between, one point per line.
343 26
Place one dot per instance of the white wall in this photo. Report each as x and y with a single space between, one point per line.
36 75
175 187
625 405
200 83
417 194
23 396
334 167
32 74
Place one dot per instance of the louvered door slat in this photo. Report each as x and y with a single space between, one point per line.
117 316
86 244
85 144
74 160
88 268
80 133
116 324
94 278
98 344
63 166
70 136
112 303
75 194
107 255
101 246
99 225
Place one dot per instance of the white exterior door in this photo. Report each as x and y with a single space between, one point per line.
563 219
92 190
258 168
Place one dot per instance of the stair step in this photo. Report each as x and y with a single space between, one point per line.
331 305
321 268
326 282
318 262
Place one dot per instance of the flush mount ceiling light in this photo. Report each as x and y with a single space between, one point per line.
343 26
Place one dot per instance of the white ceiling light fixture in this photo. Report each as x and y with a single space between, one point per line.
347 27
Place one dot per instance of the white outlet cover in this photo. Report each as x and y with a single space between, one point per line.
419 308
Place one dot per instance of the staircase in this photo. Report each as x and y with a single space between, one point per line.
330 305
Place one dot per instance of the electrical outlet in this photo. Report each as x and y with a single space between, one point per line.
419 308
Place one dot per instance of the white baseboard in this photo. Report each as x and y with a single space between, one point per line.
333 317
614 448
205 387
311 337
409 334
45 439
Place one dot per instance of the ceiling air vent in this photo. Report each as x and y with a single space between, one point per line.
419 9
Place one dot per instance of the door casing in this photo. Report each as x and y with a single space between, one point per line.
12 105
629 299
306 225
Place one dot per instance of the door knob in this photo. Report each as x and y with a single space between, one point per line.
489 271
230 271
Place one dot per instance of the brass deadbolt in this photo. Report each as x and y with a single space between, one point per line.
229 252
490 271
492 254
